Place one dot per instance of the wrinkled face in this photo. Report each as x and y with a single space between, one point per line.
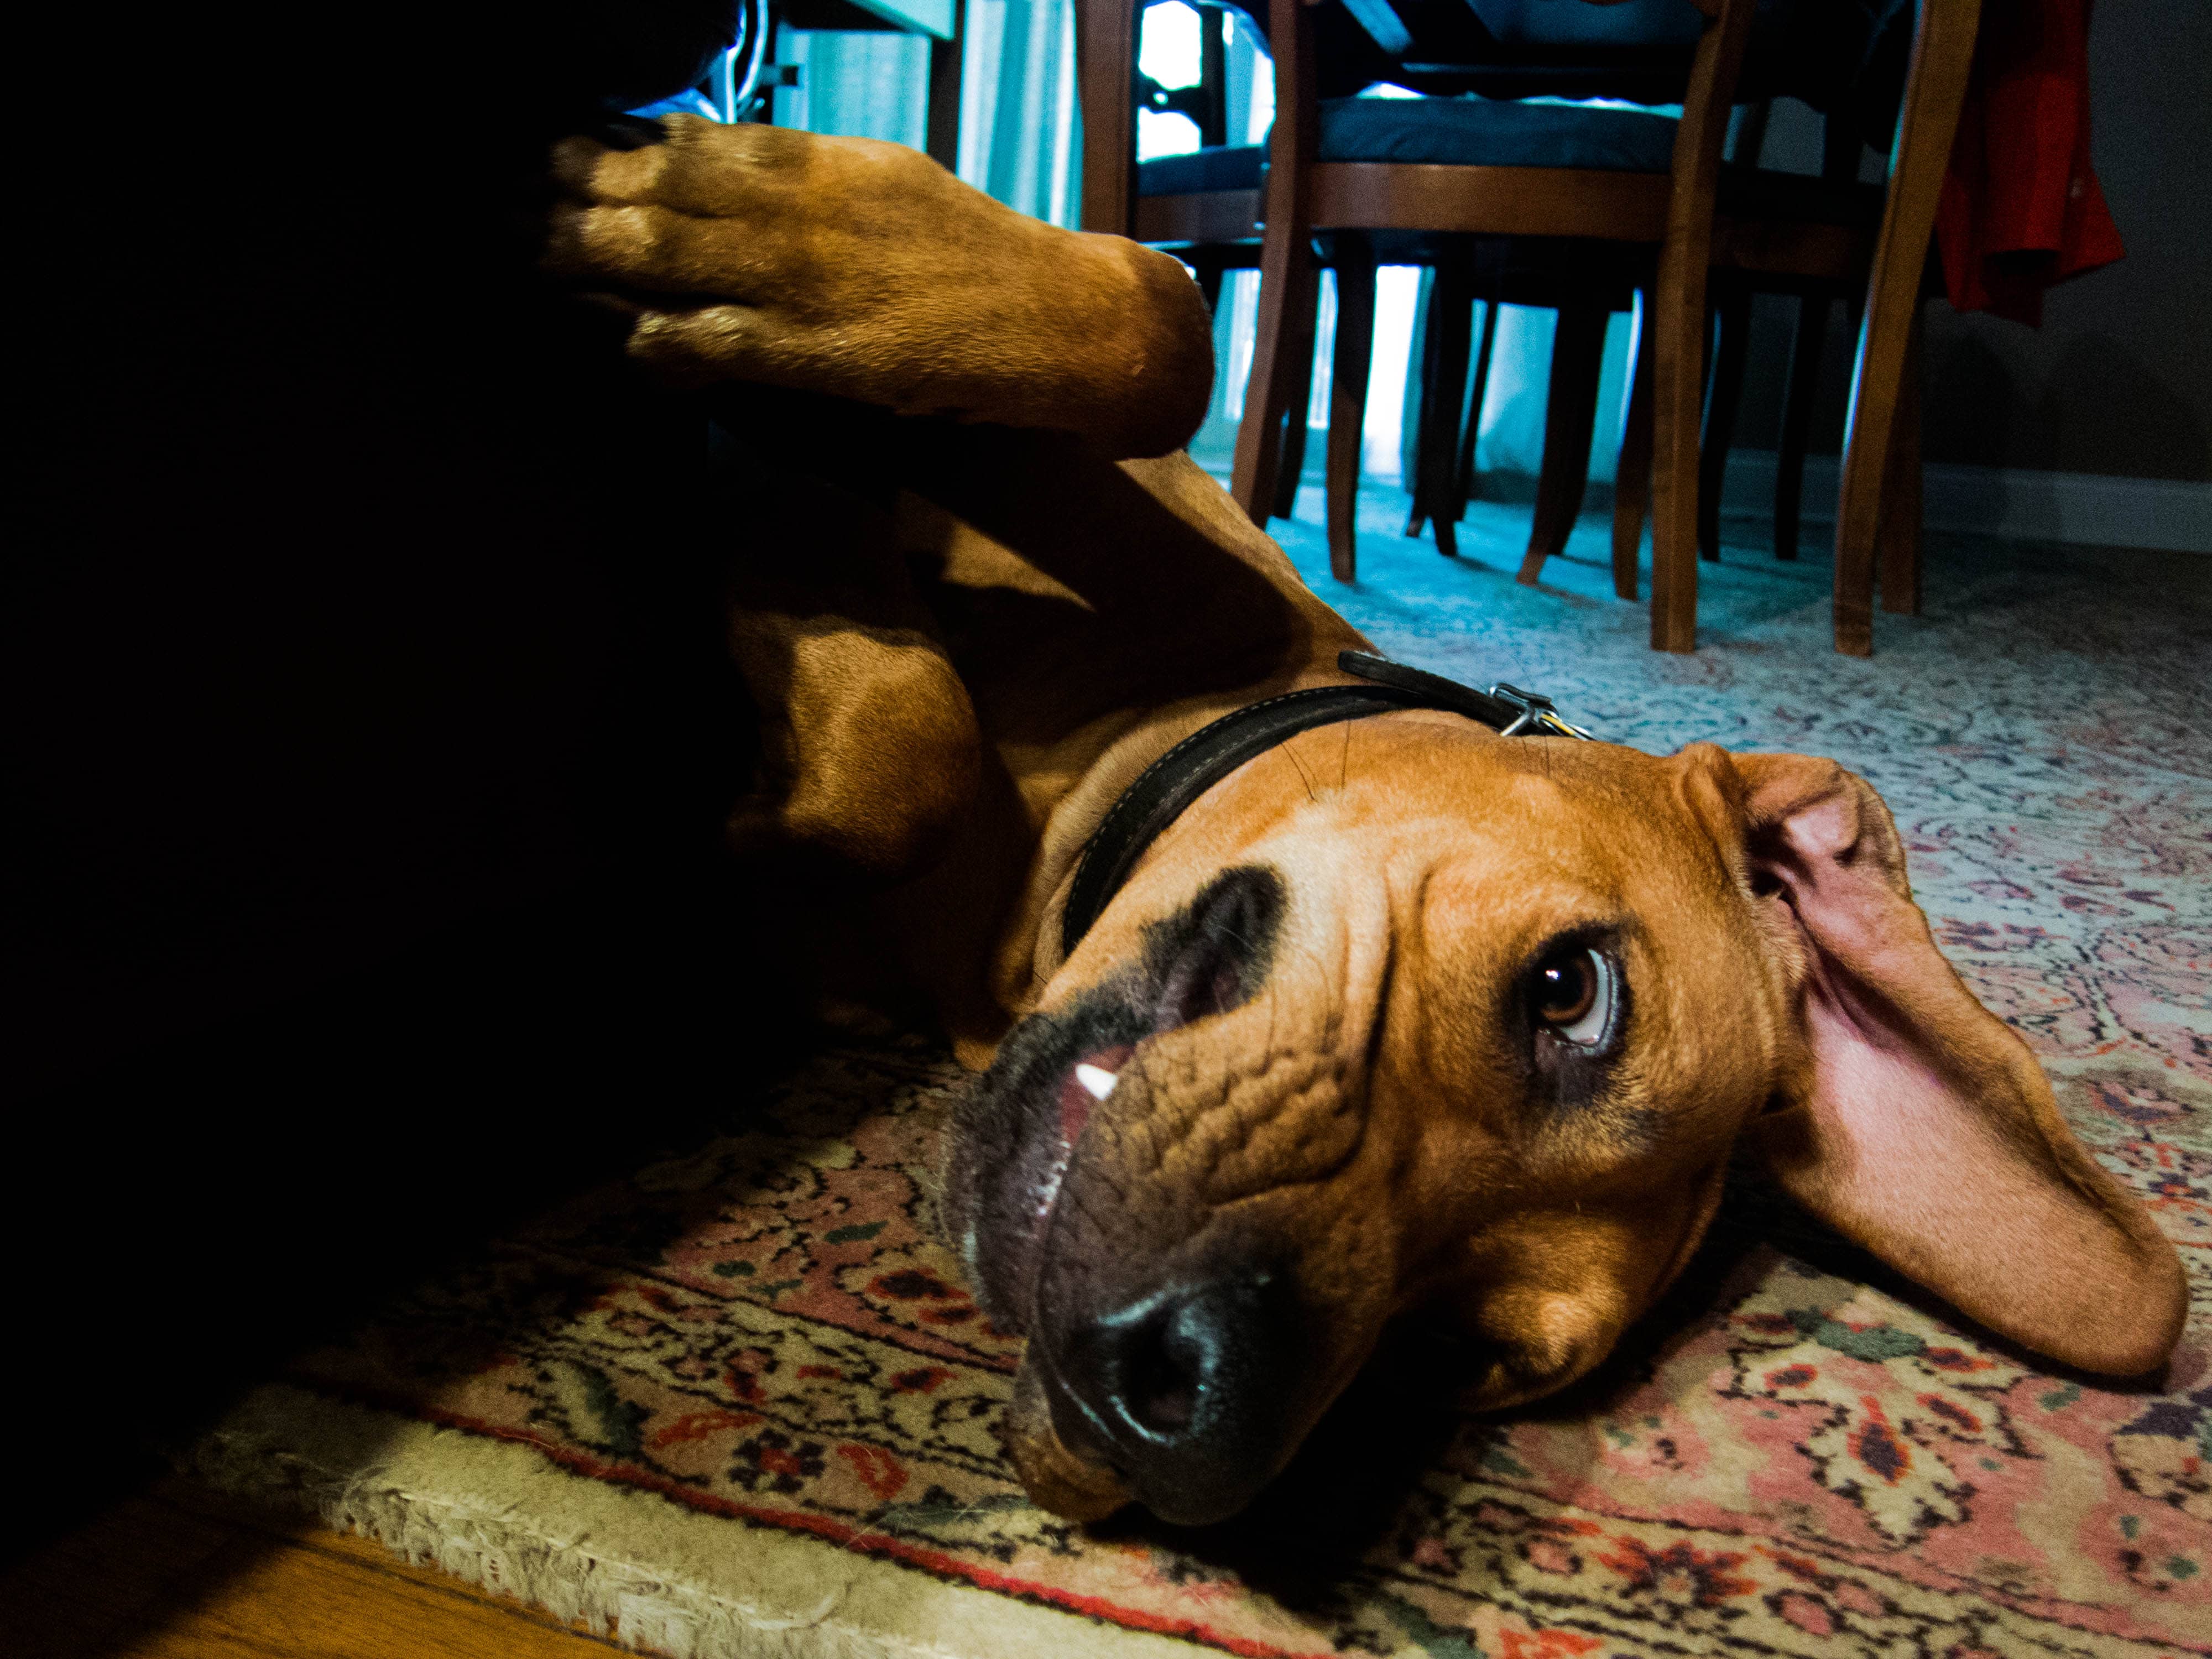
1400 1016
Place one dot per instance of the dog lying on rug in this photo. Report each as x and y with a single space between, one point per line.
1304 996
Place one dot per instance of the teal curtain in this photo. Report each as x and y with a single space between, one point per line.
1021 134
858 84
1021 131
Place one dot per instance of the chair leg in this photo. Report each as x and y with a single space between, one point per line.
1570 417
1678 322
1899 535
1463 489
1723 392
1348 407
1804 374
1632 479
1288 299
1426 412
1451 320
1210 273
1291 470
1943 52
1678 328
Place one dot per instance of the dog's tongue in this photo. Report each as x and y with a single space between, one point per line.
1088 1082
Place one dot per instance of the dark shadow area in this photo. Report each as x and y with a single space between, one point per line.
220 1202
373 729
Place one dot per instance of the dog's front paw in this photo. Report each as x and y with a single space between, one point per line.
866 270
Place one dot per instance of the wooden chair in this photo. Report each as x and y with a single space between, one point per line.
1816 239
1773 244
1305 196
1673 212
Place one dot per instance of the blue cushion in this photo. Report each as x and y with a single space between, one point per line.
1235 166
1483 132
1460 132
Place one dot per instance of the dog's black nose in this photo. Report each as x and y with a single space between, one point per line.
1191 1391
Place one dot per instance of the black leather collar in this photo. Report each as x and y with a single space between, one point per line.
1169 785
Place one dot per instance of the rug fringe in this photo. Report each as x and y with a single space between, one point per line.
258 1453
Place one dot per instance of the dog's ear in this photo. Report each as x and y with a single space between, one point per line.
1911 1119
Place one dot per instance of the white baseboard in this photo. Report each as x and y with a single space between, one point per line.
2084 508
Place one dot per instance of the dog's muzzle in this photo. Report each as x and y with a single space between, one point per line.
1190 1392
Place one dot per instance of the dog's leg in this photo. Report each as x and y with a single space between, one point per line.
864 271
869 745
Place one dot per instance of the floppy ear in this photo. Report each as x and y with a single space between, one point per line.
1915 1122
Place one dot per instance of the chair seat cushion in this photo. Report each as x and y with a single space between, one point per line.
1455 131
1224 166
1484 133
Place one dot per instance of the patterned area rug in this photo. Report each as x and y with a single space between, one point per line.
737 1404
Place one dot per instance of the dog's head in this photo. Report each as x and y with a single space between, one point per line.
1402 1015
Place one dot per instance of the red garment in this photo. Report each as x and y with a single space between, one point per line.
2021 211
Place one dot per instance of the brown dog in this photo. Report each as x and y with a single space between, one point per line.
1399 1014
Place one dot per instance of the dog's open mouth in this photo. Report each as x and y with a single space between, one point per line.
1016 1133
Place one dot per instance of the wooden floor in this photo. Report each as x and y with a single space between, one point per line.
172 1573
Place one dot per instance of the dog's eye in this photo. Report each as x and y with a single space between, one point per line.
1570 994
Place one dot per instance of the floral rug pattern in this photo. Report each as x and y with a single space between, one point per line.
1796 1455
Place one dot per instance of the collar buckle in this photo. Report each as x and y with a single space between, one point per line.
1533 712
